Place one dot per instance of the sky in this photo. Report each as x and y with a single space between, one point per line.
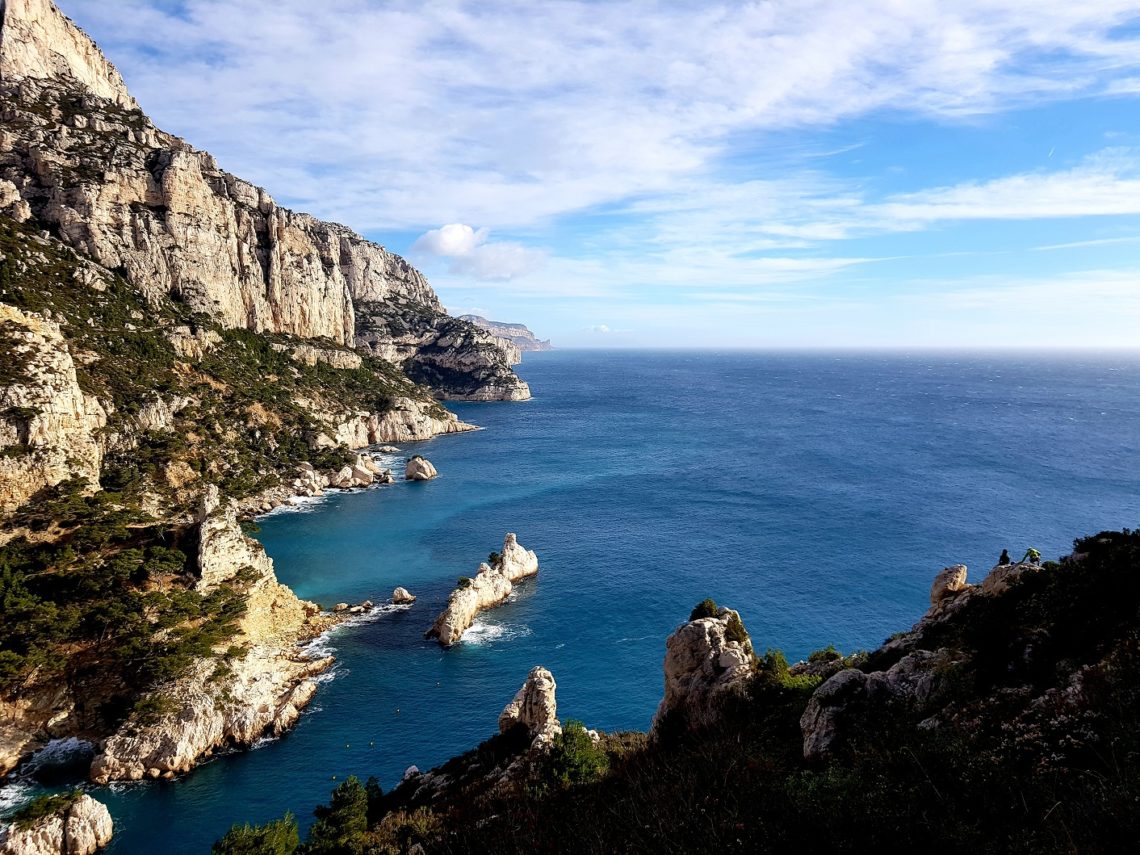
781 174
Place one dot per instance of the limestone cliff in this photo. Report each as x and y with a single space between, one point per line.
78 157
46 420
490 587
517 334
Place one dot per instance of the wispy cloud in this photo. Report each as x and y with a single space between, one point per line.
405 115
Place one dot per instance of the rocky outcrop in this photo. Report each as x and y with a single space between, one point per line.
402 597
307 354
913 684
405 420
947 583
517 334
77 156
704 659
82 827
223 549
490 587
419 469
232 700
534 707
48 426
37 40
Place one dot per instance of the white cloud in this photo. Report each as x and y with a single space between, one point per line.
601 329
471 255
404 114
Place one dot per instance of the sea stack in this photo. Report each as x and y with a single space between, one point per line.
492 585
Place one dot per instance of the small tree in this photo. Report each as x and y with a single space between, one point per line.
279 837
705 608
342 823
575 759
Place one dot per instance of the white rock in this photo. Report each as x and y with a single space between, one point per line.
947 583
401 596
535 706
419 469
83 829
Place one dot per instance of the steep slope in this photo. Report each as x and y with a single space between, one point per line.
1006 720
169 334
78 157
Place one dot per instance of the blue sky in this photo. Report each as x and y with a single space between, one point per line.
792 173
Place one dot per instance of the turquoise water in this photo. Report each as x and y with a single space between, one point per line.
818 494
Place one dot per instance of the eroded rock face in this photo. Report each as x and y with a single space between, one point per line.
83 829
419 469
703 659
491 586
517 334
535 706
407 420
832 714
48 426
223 549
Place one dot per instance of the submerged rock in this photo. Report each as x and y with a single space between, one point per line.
705 658
82 828
419 469
491 585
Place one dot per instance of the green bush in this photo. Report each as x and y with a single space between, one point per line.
735 630
575 759
279 837
827 654
463 582
44 806
342 823
705 608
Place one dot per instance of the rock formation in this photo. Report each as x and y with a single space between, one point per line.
947 583
78 157
49 429
81 828
236 699
705 658
401 597
419 469
516 334
491 586
535 707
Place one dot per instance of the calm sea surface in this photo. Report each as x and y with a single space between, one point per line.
817 494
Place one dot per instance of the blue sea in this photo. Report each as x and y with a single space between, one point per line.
818 494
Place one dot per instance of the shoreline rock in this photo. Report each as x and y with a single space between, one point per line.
419 469
490 587
82 828
402 597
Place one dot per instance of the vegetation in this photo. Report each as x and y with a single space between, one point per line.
704 609
1004 772
279 837
44 806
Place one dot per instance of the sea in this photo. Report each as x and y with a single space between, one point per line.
816 493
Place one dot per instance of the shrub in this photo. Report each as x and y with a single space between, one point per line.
44 806
463 582
827 654
575 759
494 559
735 630
278 837
342 823
705 608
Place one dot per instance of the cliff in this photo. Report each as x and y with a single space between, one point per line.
517 334
68 824
79 158
172 341
1007 719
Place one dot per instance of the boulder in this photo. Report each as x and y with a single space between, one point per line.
947 583
402 597
1004 575
388 449
419 469
704 659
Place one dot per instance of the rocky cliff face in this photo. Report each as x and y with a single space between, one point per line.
46 420
78 157
490 587
517 334
259 689
82 827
